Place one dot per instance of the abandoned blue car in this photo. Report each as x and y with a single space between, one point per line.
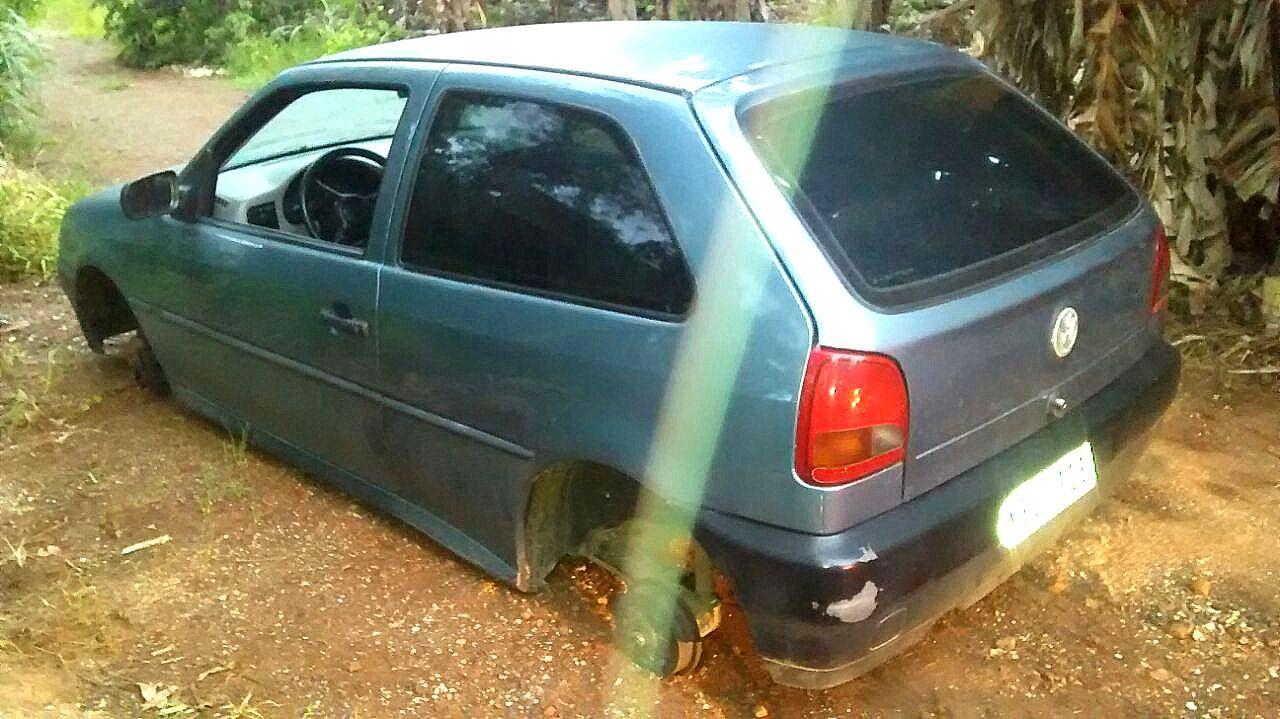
837 324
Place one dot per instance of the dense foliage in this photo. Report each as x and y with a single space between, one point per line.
20 57
256 49
23 8
1184 95
152 33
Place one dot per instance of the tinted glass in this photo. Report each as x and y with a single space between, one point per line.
544 197
927 186
325 118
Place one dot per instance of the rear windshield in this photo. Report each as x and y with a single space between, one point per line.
929 186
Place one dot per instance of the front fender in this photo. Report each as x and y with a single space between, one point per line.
86 234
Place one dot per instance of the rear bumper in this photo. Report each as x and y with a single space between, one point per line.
825 609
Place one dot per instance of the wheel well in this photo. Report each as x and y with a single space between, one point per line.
101 307
569 500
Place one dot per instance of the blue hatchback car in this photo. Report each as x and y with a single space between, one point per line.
841 318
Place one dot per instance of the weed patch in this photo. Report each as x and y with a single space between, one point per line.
31 210
24 397
17 409
215 486
235 448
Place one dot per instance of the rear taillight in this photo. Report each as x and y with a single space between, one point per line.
1160 272
853 416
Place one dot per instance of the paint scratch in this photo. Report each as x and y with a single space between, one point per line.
855 608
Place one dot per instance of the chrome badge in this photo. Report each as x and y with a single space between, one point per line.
1066 327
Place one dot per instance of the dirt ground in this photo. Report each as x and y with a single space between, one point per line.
275 596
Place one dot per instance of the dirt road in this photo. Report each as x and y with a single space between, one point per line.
108 124
277 595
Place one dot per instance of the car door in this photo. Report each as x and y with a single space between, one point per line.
279 327
535 263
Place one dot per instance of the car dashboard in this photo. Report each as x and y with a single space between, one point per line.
268 194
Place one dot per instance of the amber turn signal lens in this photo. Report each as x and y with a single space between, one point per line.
835 449
840 449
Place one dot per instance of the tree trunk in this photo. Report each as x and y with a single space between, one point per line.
869 14
862 14
451 15
1271 283
622 9
457 15
1273 17
879 15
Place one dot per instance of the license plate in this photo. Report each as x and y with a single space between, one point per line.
1035 502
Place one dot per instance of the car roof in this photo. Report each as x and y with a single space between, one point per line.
676 56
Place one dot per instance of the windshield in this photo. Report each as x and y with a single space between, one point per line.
325 118
934 184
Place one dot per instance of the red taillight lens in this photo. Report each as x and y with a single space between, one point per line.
853 416
1160 273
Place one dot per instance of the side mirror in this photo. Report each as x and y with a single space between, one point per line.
152 196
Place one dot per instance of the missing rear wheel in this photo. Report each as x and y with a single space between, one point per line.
658 631
147 372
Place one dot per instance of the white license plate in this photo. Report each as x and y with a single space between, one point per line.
1035 502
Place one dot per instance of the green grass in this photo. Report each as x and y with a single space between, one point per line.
235 448
77 18
255 60
31 210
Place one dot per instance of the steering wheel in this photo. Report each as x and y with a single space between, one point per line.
338 207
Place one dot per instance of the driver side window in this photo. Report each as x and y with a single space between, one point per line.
314 169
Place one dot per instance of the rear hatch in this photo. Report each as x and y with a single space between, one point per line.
972 224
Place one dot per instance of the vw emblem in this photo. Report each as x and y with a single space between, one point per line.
1066 327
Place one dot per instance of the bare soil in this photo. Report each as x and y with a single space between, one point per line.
107 123
278 597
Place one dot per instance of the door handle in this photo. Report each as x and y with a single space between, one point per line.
339 319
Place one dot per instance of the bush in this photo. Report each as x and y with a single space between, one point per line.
153 33
255 58
256 38
20 58
31 210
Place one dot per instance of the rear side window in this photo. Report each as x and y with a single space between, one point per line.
932 185
543 197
